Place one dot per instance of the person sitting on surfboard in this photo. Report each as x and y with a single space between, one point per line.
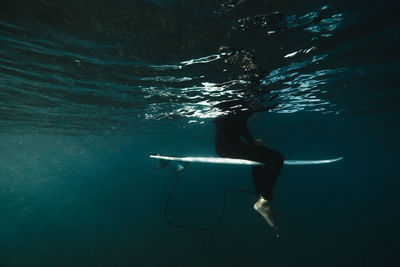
233 140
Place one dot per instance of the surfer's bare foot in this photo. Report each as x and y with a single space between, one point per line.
263 207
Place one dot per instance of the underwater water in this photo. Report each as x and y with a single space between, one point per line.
88 89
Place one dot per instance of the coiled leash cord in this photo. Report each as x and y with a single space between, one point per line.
197 228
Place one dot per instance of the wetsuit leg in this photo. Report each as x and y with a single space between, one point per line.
264 177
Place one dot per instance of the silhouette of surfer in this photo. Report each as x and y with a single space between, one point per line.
233 140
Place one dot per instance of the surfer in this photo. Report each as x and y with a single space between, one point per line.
233 140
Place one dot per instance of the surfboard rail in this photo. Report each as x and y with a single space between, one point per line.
219 160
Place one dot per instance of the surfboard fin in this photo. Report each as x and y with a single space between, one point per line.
181 167
165 162
161 164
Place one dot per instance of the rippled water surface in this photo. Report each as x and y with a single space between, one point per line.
89 88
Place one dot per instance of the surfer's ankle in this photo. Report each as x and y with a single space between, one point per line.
262 200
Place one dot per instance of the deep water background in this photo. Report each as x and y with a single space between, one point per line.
89 89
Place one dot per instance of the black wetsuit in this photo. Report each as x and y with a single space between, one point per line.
230 129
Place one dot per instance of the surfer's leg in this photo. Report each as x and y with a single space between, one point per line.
265 177
262 182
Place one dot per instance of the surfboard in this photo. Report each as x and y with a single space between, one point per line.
219 160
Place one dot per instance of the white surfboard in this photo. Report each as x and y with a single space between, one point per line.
240 161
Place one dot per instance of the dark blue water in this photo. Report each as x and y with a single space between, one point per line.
88 89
